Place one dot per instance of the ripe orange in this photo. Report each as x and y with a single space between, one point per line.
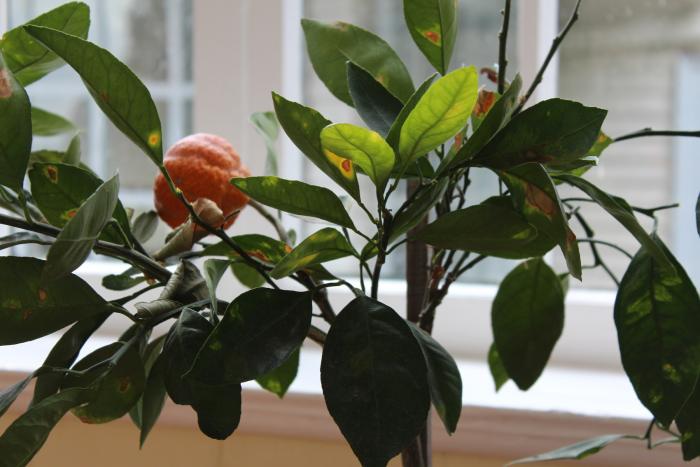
201 165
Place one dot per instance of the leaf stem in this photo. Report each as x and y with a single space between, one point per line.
608 244
502 44
650 132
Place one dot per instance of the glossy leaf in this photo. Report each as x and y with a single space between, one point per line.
576 451
527 316
144 226
10 394
45 123
266 124
15 129
444 379
365 148
296 198
536 197
303 126
442 111
325 245
29 310
433 27
498 371
395 131
621 213
115 88
580 166
151 351
31 61
79 235
330 46
278 380
374 376
554 130
657 314
377 107
259 331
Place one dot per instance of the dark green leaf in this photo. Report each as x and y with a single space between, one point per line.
575 451
444 379
330 46
688 423
9 395
296 198
123 281
45 123
262 247
145 226
152 401
31 61
580 166
259 331
325 245
79 235
657 314
433 26
15 129
29 310
498 371
218 408
214 270
278 380
151 351
266 124
247 275
395 131
377 107
527 316
115 88
374 377
697 215
418 209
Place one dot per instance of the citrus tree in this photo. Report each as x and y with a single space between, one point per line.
380 370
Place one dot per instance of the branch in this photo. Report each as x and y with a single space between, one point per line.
503 39
317 335
650 132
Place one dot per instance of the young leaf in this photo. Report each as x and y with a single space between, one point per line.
498 371
303 125
374 376
395 131
145 225
296 198
266 124
79 235
115 88
29 310
30 60
325 245
527 316
278 380
657 314
377 107
363 147
259 331
15 129
442 111
214 270
576 451
433 26
45 123
330 46
444 379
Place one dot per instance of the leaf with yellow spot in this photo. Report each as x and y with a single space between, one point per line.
433 27
325 245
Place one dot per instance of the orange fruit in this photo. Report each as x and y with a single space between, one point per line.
200 165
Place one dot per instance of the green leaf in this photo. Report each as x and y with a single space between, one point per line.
29 310
688 423
395 131
218 408
444 379
621 212
24 437
247 275
576 451
442 111
363 147
264 248
527 316
657 314
15 129
554 130
144 226
492 228
79 235
325 245
150 353
374 376
296 198
498 371
152 401
580 166
74 151
45 123
377 107
535 196
131 277
266 124
433 26
31 61
259 331
330 46
697 215
115 88
418 209
214 270
9 395
278 380
303 125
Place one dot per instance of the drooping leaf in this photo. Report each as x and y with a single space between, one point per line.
214 270
377 107
444 379
145 226
29 310
45 123
303 125
527 317
433 27
266 124
442 111
278 380
151 352
498 371
115 88
657 314
325 245
15 129
330 46
688 423
10 394
576 451
296 198
374 377
131 277
363 147
247 275
31 61
218 408
535 196
79 235
395 131
152 401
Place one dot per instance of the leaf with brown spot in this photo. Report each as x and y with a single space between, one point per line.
15 129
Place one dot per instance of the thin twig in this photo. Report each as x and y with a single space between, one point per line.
281 232
502 44
608 244
650 132
317 335
124 300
